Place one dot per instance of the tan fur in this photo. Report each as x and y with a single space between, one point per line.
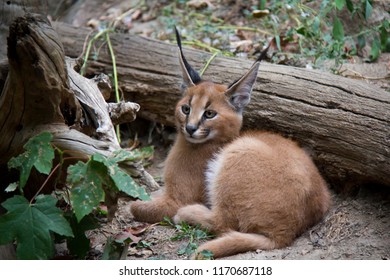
257 190
186 162
266 185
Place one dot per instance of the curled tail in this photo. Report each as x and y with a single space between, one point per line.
155 210
236 242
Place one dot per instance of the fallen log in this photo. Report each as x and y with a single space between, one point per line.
44 93
343 123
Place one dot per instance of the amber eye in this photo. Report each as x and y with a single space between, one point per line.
209 114
186 109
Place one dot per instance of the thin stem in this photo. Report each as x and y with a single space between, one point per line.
44 183
117 97
208 63
97 35
49 176
61 163
201 45
253 29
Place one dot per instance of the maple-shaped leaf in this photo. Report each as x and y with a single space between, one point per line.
100 176
121 179
134 155
86 182
38 153
30 225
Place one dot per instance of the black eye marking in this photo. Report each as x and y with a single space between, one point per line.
209 114
186 109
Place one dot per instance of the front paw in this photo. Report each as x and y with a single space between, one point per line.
178 219
153 211
183 215
193 214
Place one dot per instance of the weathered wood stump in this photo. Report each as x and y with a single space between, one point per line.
44 93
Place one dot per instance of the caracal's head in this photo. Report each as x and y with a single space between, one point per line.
209 111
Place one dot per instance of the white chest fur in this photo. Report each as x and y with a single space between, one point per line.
214 167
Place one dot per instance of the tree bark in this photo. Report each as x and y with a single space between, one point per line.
44 93
343 123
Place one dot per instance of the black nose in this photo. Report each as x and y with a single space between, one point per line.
190 128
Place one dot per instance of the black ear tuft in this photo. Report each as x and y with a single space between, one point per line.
263 54
258 60
239 92
189 74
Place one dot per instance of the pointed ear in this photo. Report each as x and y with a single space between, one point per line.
239 93
190 76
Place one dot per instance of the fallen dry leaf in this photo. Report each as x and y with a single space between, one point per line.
140 229
242 46
199 4
127 236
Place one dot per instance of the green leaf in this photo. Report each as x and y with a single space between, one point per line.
277 40
30 225
300 30
340 4
187 248
89 181
147 152
127 184
122 180
101 176
262 4
350 6
115 250
375 50
134 155
86 183
79 245
39 154
12 187
368 10
338 30
361 41
316 24
207 255
384 38
123 155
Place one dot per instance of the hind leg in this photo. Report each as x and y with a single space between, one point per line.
196 214
155 210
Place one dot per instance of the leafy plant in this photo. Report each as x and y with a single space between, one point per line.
321 33
38 153
302 29
79 244
31 223
192 235
99 177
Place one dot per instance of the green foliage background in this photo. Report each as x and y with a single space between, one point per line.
318 28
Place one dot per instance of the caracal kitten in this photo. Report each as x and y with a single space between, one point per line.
255 190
